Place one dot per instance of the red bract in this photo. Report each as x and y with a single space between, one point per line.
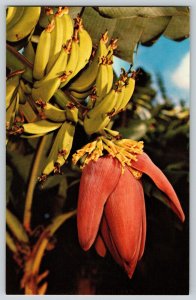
111 208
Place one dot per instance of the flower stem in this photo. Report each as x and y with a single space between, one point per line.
32 184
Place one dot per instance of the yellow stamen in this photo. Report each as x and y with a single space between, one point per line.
124 150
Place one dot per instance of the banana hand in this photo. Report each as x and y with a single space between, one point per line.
87 79
25 23
99 117
85 47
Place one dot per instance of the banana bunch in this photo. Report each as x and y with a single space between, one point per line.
21 21
62 51
57 71
60 150
111 104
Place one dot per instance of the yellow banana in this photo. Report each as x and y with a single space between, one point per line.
72 61
56 41
47 89
60 148
52 113
120 97
40 127
66 144
129 89
58 68
110 76
11 88
68 28
14 14
101 81
29 52
42 53
80 96
99 117
85 47
110 49
65 102
53 155
86 80
25 24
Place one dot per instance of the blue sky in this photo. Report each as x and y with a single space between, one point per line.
169 58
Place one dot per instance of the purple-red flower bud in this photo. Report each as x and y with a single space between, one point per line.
111 208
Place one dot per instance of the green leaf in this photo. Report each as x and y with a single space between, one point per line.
133 25
178 28
148 11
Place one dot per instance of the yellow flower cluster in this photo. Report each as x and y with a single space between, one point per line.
124 150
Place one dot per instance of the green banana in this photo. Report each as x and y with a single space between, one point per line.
40 127
56 41
85 47
86 80
72 61
11 88
24 24
53 113
99 117
65 102
14 14
42 53
29 52
15 61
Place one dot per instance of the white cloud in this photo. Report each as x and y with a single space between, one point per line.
181 76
